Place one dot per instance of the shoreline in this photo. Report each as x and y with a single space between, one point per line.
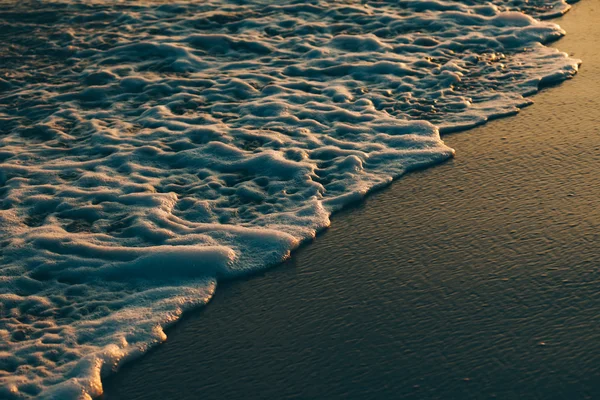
226 335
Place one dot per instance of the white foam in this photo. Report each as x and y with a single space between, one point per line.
150 150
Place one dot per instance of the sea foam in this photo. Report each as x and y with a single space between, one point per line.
150 149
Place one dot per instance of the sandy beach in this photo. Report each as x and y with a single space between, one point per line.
475 279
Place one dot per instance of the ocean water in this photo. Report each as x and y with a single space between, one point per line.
151 149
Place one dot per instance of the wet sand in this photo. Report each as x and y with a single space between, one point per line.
475 279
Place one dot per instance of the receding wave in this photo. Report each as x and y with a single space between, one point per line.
150 149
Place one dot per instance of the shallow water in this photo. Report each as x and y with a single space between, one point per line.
150 150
